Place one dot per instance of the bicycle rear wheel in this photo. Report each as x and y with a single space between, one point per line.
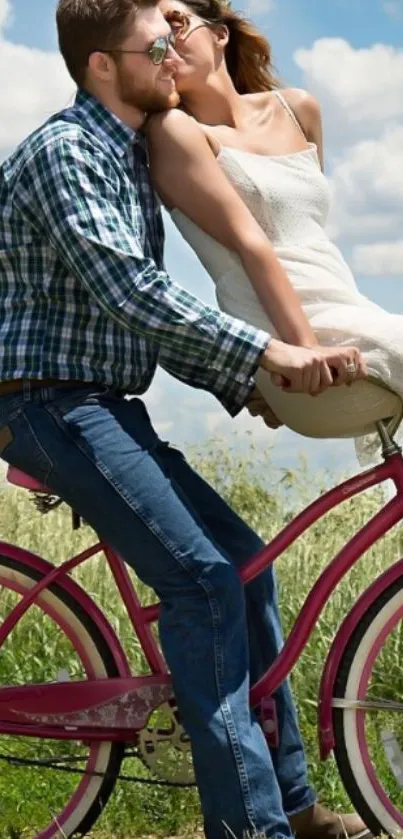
369 739
54 641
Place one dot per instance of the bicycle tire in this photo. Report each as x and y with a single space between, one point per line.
353 764
96 790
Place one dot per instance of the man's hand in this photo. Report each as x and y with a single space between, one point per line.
312 370
258 407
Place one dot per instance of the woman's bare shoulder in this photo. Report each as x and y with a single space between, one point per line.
178 127
307 111
173 123
304 105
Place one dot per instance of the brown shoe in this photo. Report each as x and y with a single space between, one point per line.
319 823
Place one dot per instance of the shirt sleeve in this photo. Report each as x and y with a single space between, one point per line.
76 195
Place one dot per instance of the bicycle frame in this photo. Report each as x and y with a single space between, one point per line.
76 697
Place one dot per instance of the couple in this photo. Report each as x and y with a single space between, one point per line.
87 313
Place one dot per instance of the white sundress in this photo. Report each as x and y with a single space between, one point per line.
288 196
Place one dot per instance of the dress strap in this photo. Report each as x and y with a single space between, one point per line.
290 111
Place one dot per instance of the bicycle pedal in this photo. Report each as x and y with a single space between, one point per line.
269 721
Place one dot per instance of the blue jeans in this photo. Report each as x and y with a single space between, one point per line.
101 454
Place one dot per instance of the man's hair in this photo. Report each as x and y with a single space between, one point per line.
84 26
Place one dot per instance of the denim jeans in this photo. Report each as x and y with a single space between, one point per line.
101 454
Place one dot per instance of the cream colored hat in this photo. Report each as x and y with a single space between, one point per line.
345 411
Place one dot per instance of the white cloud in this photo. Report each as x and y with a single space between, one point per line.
367 189
37 85
379 259
360 94
363 85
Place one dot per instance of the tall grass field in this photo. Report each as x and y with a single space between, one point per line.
266 497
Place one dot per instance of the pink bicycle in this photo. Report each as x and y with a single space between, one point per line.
100 709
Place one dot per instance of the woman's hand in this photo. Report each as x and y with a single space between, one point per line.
346 363
312 370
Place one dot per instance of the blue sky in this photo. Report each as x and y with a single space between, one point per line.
304 36
291 24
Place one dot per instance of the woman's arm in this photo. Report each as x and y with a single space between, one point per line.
188 177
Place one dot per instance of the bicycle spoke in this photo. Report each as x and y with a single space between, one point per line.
368 705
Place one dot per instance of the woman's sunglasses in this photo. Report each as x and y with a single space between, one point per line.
157 52
181 23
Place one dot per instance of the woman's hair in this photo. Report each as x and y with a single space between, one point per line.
248 53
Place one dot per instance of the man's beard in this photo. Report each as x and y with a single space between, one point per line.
148 101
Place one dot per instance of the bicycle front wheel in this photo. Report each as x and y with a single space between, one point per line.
368 717
54 641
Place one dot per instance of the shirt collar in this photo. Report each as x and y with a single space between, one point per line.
105 124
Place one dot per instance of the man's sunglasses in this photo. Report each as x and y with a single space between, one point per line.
157 52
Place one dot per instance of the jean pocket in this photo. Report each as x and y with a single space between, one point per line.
21 448
63 402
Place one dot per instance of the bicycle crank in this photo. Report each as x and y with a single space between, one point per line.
164 747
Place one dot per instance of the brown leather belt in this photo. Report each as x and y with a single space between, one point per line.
17 385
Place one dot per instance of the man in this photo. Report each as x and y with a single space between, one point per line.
87 312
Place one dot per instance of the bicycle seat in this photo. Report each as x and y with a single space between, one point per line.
20 479
346 411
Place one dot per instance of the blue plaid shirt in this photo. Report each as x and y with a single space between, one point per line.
83 290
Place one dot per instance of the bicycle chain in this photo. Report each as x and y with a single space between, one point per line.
51 764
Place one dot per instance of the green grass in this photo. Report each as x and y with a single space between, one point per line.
266 503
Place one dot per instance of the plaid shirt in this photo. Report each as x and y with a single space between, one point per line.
83 290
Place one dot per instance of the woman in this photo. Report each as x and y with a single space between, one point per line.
239 166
